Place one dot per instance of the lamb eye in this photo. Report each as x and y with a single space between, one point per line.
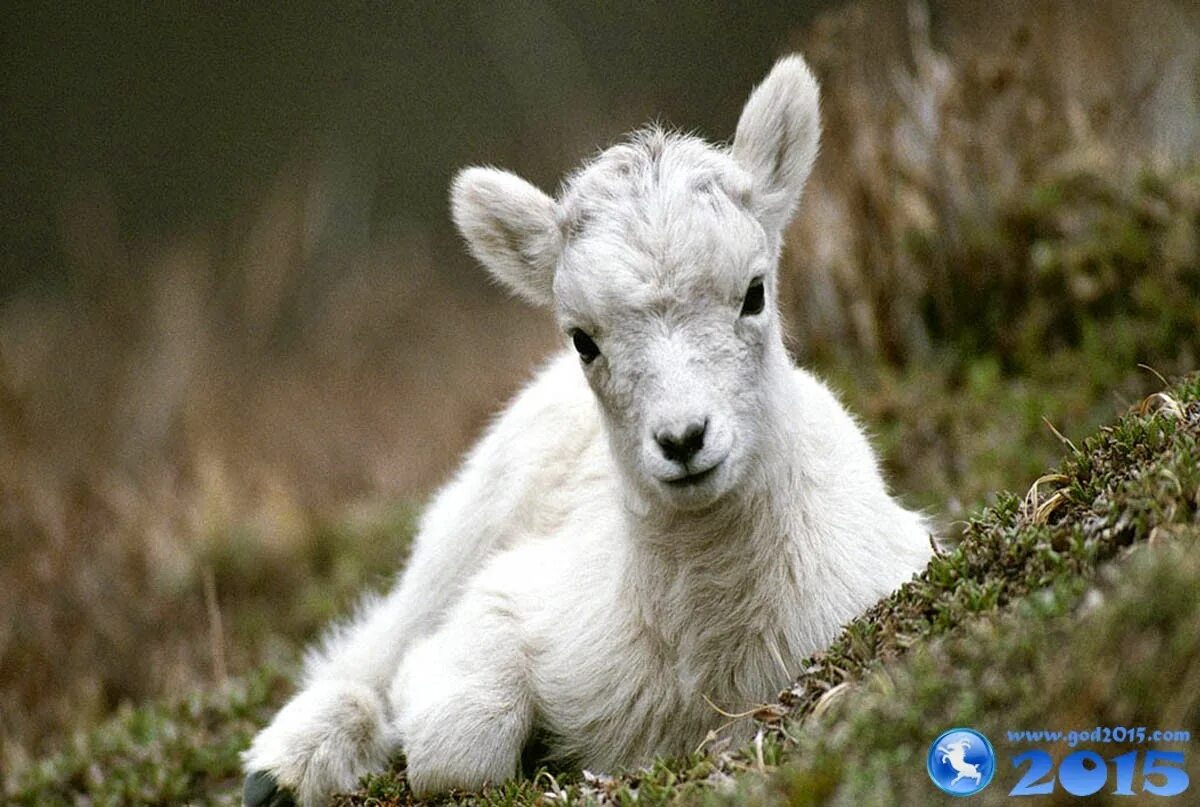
588 351
755 298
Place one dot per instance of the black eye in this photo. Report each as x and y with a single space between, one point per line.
755 298
586 347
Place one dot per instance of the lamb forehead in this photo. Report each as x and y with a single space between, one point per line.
659 213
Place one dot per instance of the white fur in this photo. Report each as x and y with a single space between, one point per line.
563 583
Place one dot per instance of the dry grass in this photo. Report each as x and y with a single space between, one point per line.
197 412
945 126
204 441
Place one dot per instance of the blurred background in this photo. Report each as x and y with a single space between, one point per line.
240 342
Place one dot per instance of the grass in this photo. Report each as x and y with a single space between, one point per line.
1036 617
181 751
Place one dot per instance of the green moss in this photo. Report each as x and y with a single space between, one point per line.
185 751
1129 660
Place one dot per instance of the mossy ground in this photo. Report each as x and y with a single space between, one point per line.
1071 606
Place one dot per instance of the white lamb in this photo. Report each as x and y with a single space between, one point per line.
674 517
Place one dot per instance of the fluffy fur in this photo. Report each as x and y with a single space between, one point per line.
575 580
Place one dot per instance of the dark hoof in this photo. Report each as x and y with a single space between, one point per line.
261 790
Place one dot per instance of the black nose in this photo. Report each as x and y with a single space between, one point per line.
682 447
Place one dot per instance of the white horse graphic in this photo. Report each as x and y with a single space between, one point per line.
955 754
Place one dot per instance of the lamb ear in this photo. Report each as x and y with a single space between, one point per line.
777 139
511 227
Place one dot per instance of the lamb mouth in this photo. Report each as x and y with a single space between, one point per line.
692 479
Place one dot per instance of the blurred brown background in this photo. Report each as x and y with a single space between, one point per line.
239 341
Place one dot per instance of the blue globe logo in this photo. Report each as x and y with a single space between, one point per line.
961 762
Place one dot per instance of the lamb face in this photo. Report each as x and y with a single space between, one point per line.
659 260
666 286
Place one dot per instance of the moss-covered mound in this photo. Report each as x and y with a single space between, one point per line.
1124 655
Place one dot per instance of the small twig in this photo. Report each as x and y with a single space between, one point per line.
1059 435
714 734
216 632
1032 498
556 791
723 713
1157 374
1160 401
1042 514
827 700
1039 510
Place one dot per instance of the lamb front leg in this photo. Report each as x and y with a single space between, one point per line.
320 743
462 701
338 727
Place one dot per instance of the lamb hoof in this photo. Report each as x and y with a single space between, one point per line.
261 790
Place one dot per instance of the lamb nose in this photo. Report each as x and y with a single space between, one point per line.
682 447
